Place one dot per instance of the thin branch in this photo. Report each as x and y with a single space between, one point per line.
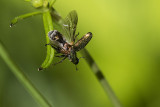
24 16
23 78
101 78
48 26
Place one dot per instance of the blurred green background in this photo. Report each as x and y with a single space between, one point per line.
125 45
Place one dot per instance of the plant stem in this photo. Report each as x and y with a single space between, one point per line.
48 26
24 16
103 81
23 78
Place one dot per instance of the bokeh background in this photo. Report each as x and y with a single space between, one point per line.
125 45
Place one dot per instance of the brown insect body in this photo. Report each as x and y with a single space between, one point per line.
65 43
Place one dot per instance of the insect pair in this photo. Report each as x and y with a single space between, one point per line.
65 43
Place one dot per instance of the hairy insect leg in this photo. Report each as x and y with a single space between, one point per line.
76 68
60 56
61 61
57 50
82 57
76 36
24 16
47 44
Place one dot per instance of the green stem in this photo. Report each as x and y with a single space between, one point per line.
24 16
23 78
48 26
99 75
